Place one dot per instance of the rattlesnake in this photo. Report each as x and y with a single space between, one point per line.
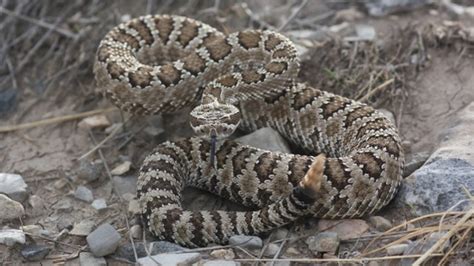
159 64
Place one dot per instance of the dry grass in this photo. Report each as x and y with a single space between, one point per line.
47 52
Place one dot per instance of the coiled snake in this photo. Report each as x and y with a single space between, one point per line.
161 63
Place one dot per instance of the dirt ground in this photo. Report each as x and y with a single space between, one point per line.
56 80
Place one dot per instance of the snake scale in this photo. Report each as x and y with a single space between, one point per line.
162 63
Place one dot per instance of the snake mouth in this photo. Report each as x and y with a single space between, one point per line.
215 120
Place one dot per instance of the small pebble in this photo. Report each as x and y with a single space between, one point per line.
13 186
125 184
63 205
10 209
136 231
126 251
32 229
84 194
250 242
134 207
90 171
380 223
397 249
10 237
34 252
226 254
97 121
83 228
88 259
324 242
271 250
170 259
121 168
99 204
345 229
279 234
218 263
37 204
104 240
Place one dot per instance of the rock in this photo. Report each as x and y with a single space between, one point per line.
104 240
13 186
134 207
121 168
324 242
350 14
170 259
84 194
218 263
99 204
271 250
265 138
136 231
422 245
250 242
384 7
279 234
10 237
364 33
438 184
7 100
10 209
90 171
153 131
88 259
380 223
38 206
292 252
158 247
388 114
32 229
96 121
414 162
226 254
126 184
83 228
34 252
398 249
345 229
63 205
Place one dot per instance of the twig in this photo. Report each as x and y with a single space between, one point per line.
55 120
39 23
97 146
360 260
292 16
378 88
444 238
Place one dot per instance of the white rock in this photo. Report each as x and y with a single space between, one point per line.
32 229
324 242
345 229
94 122
104 240
121 168
380 223
10 209
226 254
170 259
134 207
84 194
136 231
218 263
38 205
271 250
14 186
99 204
250 242
265 138
88 259
83 228
10 237
396 249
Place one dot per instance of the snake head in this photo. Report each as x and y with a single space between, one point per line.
215 120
